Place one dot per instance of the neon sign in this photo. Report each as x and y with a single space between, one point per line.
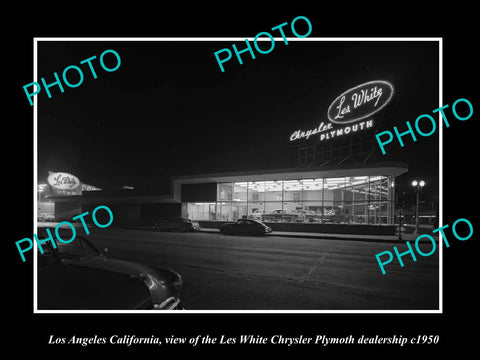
352 106
63 181
360 102
299 134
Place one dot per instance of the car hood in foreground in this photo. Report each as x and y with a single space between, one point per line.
71 287
162 283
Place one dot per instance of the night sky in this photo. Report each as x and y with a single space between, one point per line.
169 110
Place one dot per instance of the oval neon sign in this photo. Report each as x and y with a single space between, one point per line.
360 102
63 181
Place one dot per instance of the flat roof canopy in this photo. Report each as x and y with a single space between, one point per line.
369 169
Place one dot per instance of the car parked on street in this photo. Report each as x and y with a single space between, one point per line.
78 276
178 224
245 227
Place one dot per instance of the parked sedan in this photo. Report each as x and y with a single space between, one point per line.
78 276
245 226
178 224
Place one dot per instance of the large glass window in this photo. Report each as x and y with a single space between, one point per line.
292 200
274 190
374 196
256 191
334 193
312 195
387 197
274 201
256 200
340 200
240 191
225 192
348 202
239 210
239 204
359 187
202 211
224 211
333 212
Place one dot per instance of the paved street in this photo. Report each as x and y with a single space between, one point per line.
279 273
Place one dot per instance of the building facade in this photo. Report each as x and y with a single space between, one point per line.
337 195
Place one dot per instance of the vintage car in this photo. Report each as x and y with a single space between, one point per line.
178 224
245 227
258 214
304 215
78 276
279 215
333 216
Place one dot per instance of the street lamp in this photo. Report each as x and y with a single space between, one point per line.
417 187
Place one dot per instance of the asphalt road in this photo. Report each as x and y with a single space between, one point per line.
223 272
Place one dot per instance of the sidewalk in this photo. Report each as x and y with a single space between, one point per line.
291 234
327 236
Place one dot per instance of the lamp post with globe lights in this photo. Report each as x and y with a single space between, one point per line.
417 188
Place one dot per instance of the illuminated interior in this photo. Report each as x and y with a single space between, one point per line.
341 200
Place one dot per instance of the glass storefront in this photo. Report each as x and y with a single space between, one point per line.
341 200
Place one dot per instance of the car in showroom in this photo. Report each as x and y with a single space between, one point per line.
333 216
77 276
245 227
177 224
279 215
304 215
258 214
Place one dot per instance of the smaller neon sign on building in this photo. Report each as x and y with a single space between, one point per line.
63 183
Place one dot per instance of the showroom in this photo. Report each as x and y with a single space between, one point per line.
339 194
355 199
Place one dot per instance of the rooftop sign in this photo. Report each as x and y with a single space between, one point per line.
351 111
63 183
360 102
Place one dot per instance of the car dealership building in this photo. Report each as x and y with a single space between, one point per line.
335 183
328 198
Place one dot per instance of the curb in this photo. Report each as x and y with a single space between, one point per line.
342 237
326 237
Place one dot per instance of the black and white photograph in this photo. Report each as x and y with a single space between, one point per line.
291 179
260 188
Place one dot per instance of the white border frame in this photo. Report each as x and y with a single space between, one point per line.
154 39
